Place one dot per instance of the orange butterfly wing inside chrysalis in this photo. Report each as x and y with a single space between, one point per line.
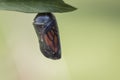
51 39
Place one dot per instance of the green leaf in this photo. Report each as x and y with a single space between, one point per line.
35 6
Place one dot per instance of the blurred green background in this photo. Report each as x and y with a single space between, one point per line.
90 41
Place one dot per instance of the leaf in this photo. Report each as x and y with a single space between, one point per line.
35 6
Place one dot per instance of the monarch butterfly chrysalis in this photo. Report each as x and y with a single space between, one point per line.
47 31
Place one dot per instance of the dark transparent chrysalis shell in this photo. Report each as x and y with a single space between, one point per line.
47 31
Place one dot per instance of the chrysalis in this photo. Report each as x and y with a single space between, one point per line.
47 31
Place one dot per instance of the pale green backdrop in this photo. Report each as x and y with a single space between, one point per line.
90 41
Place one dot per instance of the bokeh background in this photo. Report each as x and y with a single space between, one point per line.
90 41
